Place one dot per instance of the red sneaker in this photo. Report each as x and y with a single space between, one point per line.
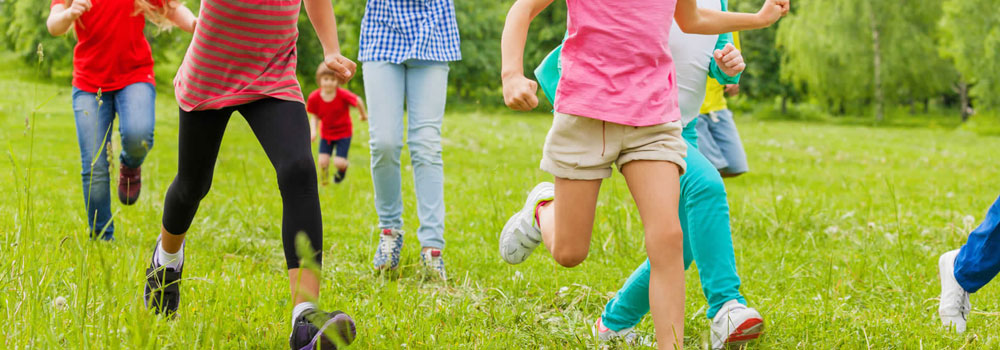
129 184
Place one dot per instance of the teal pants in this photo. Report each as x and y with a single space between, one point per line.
704 216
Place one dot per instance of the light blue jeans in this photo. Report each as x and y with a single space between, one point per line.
423 86
704 215
134 105
719 141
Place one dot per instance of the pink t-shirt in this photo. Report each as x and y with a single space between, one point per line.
616 62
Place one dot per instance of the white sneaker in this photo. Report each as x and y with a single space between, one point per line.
520 234
627 335
735 325
955 305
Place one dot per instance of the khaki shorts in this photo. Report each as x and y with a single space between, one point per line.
581 148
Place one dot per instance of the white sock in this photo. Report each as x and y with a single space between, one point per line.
300 308
171 260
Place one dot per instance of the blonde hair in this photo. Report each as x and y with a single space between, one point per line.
154 13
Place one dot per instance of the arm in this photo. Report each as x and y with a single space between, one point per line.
314 124
694 20
181 16
320 13
518 91
61 18
361 109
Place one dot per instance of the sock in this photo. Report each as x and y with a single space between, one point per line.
537 207
301 308
171 260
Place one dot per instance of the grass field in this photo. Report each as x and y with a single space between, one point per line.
837 232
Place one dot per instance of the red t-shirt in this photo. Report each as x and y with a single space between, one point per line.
335 115
111 51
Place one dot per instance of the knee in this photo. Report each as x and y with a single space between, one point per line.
324 162
665 239
425 150
383 146
710 189
569 258
340 163
136 146
189 191
296 173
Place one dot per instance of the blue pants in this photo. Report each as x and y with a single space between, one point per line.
423 86
719 141
134 105
979 259
704 215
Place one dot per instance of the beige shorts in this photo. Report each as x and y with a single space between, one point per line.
581 148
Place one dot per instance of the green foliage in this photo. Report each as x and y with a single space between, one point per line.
22 29
971 38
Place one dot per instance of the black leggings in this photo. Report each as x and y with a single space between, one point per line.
282 128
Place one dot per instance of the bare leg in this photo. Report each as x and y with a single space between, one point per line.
324 161
566 228
170 242
655 188
304 284
340 163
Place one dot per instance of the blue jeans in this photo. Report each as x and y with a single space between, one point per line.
134 105
708 241
719 141
979 259
423 86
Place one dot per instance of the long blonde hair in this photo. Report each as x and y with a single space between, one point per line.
154 13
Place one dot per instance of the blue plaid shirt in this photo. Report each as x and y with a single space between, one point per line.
398 30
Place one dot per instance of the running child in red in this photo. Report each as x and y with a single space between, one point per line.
330 108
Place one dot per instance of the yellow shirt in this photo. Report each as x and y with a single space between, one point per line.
715 99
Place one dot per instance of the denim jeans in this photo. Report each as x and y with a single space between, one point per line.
704 215
423 86
719 141
978 261
134 105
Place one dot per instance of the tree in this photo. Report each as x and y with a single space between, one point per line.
970 37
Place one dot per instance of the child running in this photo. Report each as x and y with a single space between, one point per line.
242 58
627 98
719 140
113 74
330 107
703 208
964 271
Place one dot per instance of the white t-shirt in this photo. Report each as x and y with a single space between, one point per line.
692 55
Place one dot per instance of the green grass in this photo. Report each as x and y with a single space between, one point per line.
837 232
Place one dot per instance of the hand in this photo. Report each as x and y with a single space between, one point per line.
77 8
342 66
520 93
732 89
312 136
729 60
364 117
773 10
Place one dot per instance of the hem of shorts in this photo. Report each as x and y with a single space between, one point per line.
397 60
241 99
673 157
574 174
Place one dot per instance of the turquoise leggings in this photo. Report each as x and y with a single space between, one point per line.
704 215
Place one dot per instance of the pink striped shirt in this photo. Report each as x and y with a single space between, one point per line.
242 51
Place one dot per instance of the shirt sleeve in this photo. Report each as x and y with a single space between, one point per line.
311 106
350 97
713 69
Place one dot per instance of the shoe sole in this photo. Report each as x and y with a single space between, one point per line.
510 226
748 330
346 331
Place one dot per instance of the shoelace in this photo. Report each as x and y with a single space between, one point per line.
387 244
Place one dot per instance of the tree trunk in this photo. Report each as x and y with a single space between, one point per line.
877 53
963 93
913 106
784 104
926 102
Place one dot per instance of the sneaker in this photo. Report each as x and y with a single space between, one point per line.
390 243
955 305
335 328
627 336
162 292
735 325
434 263
129 184
324 177
339 176
521 234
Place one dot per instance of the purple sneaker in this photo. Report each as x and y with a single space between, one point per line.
335 328
129 184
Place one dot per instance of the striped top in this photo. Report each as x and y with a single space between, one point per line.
399 30
242 51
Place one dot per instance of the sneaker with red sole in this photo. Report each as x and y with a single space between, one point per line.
129 184
735 325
